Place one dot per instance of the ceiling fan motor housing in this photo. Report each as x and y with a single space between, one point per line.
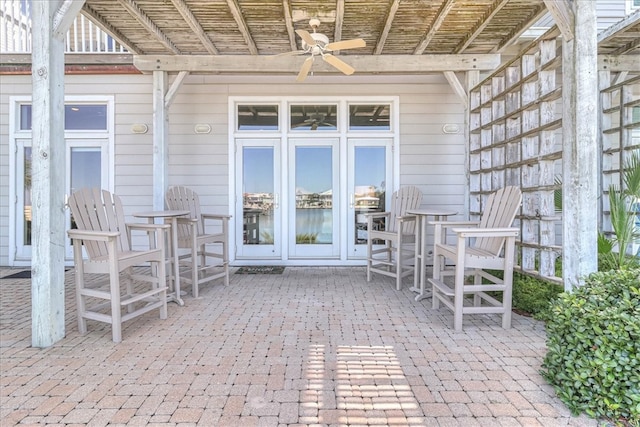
321 42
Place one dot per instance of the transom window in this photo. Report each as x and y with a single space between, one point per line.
76 117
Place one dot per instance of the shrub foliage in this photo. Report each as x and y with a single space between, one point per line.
593 340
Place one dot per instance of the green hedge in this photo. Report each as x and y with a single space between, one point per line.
593 341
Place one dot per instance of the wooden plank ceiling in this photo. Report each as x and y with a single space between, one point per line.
267 27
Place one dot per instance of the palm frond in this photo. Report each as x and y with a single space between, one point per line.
631 175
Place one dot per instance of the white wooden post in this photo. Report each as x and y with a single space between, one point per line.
160 139
50 23
580 143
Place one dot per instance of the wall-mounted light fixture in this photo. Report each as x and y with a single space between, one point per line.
139 128
450 128
202 128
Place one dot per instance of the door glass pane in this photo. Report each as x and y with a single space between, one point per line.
314 195
257 117
258 195
27 198
85 168
369 191
314 118
369 117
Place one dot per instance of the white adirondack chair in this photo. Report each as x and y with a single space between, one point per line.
479 246
102 231
200 244
398 236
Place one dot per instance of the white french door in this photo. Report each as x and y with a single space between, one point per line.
314 198
259 232
369 177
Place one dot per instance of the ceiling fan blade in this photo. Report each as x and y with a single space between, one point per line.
304 70
346 44
339 64
304 35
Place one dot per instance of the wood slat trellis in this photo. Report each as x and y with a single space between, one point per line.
515 139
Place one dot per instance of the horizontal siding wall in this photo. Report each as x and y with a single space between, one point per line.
428 157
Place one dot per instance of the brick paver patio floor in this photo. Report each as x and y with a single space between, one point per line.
314 346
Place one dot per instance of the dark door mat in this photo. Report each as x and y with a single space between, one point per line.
260 269
26 274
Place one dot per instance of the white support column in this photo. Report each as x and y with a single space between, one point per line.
47 178
160 139
580 143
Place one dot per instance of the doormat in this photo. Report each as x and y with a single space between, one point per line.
26 274
260 269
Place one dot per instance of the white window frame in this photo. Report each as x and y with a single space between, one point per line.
18 139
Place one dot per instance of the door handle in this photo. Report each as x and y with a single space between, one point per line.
276 201
352 200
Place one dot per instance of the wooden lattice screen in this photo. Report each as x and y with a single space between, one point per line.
515 139
620 131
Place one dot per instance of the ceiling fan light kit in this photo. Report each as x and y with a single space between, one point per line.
317 44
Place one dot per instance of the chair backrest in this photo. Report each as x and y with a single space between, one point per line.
406 198
183 198
499 212
94 209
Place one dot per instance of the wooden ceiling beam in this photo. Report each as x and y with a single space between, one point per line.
364 64
148 24
632 45
242 26
435 26
391 14
288 22
105 26
190 19
337 32
563 16
481 25
516 33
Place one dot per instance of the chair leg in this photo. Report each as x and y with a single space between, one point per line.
116 315
225 262
80 302
458 295
162 284
438 261
369 255
507 295
194 269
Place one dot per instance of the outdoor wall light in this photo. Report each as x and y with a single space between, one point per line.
202 128
139 128
450 128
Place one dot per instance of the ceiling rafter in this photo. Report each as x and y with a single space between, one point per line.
337 33
242 26
193 22
511 38
393 8
433 29
481 25
632 45
148 23
288 22
623 25
97 19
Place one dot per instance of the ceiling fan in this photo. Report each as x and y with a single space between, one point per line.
317 44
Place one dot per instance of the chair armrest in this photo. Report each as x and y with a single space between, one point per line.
219 217
406 218
146 227
98 236
450 224
186 221
377 215
486 232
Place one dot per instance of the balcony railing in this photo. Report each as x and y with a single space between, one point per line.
83 36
